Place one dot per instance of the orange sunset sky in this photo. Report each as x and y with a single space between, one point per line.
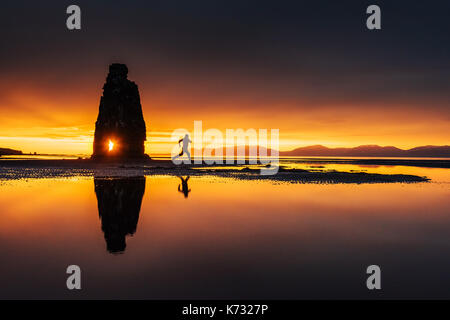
318 76
49 120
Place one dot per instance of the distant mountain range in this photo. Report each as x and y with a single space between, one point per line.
370 151
6 151
322 151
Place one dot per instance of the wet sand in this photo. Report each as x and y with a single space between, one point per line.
424 163
28 169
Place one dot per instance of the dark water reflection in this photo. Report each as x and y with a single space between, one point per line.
119 203
229 239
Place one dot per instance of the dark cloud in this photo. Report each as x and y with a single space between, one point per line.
315 51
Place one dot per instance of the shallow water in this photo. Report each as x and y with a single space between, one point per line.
227 238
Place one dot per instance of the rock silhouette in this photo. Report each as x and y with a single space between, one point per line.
7 151
119 203
120 129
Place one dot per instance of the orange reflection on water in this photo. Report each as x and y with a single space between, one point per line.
225 229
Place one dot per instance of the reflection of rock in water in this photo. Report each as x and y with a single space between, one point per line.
119 202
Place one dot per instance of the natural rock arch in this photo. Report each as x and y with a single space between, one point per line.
120 129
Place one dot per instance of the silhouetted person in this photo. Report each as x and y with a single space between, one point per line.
119 202
184 186
185 149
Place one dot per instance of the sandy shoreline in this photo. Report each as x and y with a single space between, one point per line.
41 169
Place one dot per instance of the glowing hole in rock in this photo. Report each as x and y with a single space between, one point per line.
110 145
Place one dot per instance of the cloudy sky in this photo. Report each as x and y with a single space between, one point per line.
309 68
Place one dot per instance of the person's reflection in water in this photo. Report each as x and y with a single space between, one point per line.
119 202
184 186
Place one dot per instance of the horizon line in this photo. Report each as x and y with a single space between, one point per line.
247 146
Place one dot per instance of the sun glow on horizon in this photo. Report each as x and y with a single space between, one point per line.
78 140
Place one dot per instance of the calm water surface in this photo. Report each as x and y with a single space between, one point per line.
150 237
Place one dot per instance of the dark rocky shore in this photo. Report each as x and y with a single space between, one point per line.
28 169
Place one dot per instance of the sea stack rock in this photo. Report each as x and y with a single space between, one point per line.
120 127
119 203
